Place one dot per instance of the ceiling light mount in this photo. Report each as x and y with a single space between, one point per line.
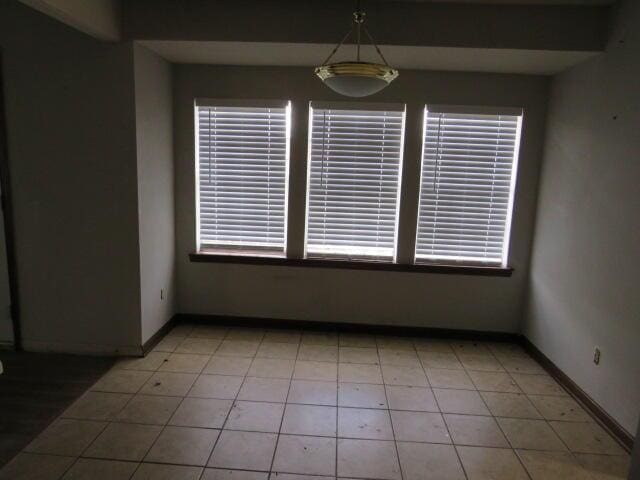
357 78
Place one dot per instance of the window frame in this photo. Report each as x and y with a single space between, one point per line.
506 242
233 250
351 106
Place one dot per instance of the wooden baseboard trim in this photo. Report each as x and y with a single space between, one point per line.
619 433
153 341
396 330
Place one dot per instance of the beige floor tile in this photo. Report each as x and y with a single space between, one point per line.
432 345
364 423
359 373
264 389
307 455
97 406
446 378
357 340
282 336
521 364
409 376
469 346
494 382
206 346
586 438
184 363
318 353
313 392
506 349
419 427
209 331
201 412
156 471
530 434
121 381
221 365
411 398
255 416
491 464
287 351
320 338
309 420
368 459
149 409
244 450
475 431
220 474
183 446
359 355
406 358
181 330
559 408
440 360
605 467
460 401
271 368
216 386
237 348
168 344
90 469
480 362
66 437
245 334
26 466
308 370
361 395
293 476
537 384
124 441
396 343
552 466
515 405
440 461
169 384
150 362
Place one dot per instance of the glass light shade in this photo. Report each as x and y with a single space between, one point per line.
356 79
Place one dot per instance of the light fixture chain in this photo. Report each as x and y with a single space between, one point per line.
333 52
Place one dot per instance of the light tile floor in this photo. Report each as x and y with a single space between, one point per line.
214 403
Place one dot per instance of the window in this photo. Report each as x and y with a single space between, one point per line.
241 171
355 159
469 166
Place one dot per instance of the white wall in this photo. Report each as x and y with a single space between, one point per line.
586 256
154 131
72 152
433 300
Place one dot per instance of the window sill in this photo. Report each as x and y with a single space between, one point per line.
351 265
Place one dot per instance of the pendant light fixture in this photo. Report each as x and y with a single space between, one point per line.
356 79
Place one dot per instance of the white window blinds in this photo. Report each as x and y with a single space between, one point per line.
468 177
355 158
242 167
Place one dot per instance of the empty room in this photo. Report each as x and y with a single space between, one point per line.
319 239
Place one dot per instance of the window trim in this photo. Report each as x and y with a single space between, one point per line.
473 270
365 106
247 103
478 110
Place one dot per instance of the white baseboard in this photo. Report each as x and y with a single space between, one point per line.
82 348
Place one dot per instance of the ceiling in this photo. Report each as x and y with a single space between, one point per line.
536 62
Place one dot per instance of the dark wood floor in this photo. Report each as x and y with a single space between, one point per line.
35 388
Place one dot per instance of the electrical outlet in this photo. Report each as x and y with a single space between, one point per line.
596 356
